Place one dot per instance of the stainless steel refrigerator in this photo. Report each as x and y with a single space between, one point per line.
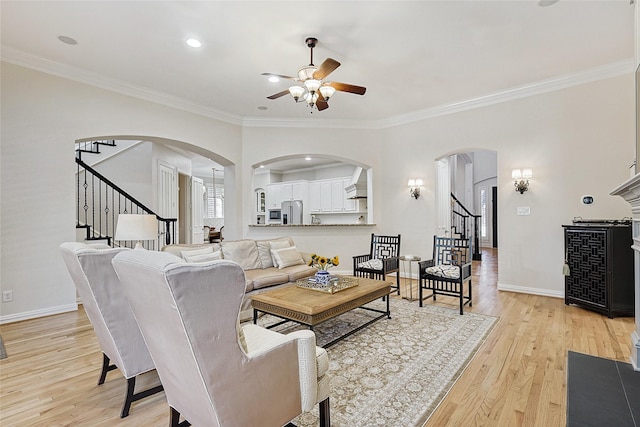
292 212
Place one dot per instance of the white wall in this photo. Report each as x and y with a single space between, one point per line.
577 140
41 118
131 170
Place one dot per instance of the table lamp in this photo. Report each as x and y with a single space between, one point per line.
137 227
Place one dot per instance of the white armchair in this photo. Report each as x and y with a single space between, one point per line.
108 311
216 373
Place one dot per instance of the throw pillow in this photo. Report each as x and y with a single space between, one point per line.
287 257
192 252
274 246
264 250
214 256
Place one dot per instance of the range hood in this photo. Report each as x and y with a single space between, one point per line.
357 188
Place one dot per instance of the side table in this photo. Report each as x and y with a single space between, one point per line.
404 260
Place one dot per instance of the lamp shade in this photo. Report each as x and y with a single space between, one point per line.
516 174
527 173
136 227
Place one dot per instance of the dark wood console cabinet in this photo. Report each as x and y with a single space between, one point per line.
600 261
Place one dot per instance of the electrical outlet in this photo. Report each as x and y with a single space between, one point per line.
7 296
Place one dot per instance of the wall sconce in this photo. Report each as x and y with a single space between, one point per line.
521 179
414 187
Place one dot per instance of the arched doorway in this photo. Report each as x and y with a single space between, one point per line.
466 184
163 176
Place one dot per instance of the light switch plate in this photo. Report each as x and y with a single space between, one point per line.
524 210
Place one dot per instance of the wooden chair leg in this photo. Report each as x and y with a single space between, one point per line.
325 416
132 396
106 367
174 419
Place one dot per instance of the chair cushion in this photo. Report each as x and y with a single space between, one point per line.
372 264
444 270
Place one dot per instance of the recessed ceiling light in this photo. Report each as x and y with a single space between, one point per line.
67 40
307 158
262 108
194 43
274 79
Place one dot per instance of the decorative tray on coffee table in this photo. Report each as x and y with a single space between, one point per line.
336 284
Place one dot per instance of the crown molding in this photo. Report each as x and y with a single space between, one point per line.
17 57
549 85
23 59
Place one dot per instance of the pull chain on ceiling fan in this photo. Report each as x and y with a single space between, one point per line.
313 90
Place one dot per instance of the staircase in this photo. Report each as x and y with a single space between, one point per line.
465 224
99 202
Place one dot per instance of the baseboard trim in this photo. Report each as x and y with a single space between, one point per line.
528 290
26 315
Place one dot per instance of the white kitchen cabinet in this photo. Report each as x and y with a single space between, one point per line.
286 193
315 203
273 196
325 196
299 190
337 196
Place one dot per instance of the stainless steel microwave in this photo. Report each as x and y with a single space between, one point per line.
274 214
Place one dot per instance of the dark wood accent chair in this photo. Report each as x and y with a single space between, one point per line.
448 270
382 259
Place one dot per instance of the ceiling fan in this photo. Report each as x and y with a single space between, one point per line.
314 90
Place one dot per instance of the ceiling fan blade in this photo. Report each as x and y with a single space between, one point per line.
279 94
326 68
322 105
344 87
279 76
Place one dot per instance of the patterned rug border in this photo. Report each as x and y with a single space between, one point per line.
378 372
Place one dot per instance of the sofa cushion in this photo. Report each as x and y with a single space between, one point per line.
287 257
265 277
264 249
206 257
276 246
176 249
300 271
244 252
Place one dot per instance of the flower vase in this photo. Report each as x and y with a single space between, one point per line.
322 277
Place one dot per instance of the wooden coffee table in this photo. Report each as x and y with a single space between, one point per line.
311 307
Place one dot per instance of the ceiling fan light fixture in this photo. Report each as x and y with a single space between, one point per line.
327 92
306 73
296 92
312 85
311 98
313 88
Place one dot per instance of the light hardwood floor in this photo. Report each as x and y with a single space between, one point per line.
518 378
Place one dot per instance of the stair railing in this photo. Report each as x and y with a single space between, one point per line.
466 224
99 202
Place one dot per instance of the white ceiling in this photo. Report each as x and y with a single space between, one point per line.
411 55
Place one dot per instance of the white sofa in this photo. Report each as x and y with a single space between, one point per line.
256 257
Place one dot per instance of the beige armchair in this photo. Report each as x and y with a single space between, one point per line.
108 311
215 372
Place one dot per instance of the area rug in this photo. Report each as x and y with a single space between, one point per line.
395 372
